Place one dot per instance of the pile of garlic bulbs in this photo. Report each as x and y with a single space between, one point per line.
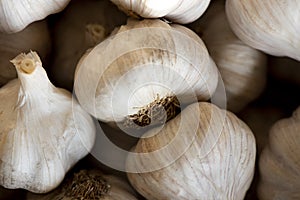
148 99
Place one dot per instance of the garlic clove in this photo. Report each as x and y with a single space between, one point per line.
243 69
35 36
176 10
272 27
82 25
279 162
90 184
203 153
144 65
16 15
44 131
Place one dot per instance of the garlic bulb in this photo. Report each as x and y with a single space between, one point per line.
270 26
15 15
83 24
90 184
36 36
141 74
279 162
176 10
203 153
242 68
44 132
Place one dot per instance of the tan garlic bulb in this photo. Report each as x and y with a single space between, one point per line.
44 131
83 24
180 11
90 184
203 153
243 69
36 36
143 72
270 26
15 15
279 164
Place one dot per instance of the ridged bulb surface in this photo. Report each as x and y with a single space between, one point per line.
279 163
43 130
15 15
143 69
204 153
270 26
243 69
179 11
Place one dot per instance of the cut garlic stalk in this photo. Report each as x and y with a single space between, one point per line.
43 130
36 36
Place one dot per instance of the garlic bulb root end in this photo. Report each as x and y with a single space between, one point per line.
157 112
26 63
87 186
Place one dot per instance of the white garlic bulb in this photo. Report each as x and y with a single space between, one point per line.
83 24
44 131
90 184
143 69
15 15
203 153
180 11
243 69
35 36
270 26
279 164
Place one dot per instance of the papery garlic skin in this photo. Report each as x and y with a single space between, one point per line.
279 164
213 156
243 69
35 36
90 184
272 27
15 15
44 131
141 63
175 10
83 24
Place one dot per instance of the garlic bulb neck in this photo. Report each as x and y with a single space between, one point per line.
87 186
33 77
159 111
